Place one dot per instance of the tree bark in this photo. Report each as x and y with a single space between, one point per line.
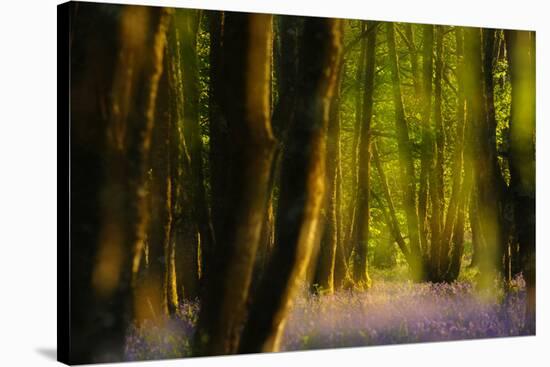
394 223
499 185
183 259
521 59
302 185
160 209
437 188
359 97
426 159
407 171
325 267
245 104
114 111
487 203
189 21
362 220
453 229
409 33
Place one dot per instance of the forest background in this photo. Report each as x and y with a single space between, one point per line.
39 141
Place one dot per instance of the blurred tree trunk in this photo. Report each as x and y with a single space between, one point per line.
362 220
302 185
178 163
245 104
220 164
160 210
487 203
477 244
521 59
183 262
108 180
407 171
149 287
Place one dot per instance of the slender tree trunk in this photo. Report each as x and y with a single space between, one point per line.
220 165
407 171
189 20
302 185
453 229
245 104
498 183
183 262
340 265
362 220
287 75
394 223
324 273
359 97
426 159
414 57
440 250
161 216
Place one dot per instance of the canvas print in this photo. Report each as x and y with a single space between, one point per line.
246 183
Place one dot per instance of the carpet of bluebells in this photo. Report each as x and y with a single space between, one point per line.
388 313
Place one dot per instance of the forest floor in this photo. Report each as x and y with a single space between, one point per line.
391 312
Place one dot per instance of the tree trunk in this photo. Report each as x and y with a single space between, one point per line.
361 223
160 211
414 57
453 229
407 171
426 159
106 182
245 104
302 185
340 263
324 273
498 183
183 262
359 97
190 22
487 203
437 188
393 222
219 133
521 59
477 244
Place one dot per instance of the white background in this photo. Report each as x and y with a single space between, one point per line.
28 196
